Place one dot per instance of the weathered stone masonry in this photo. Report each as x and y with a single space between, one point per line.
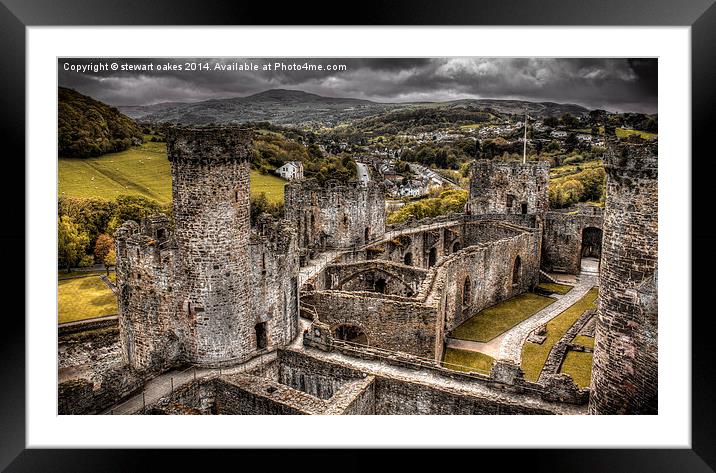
211 291
500 187
566 233
624 373
335 215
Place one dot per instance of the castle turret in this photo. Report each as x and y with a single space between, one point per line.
502 187
624 373
210 190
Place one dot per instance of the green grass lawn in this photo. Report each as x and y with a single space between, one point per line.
495 320
534 355
77 274
555 288
584 341
271 185
142 170
578 365
84 298
624 132
463 360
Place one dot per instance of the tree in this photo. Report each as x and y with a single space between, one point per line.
71 242
569 121
551 122
110 259
102 246
571 142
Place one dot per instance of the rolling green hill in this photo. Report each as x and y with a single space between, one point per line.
142 170
87 127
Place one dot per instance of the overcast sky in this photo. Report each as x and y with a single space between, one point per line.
612 84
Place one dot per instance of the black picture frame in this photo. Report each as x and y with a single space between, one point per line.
700 15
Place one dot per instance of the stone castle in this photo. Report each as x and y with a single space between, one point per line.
330 311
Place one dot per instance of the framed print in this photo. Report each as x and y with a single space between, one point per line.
433 232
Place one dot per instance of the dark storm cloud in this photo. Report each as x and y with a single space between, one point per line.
614 84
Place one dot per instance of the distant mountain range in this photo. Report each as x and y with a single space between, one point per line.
283 106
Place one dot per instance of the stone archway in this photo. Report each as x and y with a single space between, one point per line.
591 249
350 333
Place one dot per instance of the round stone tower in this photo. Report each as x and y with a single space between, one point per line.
210 190
624 373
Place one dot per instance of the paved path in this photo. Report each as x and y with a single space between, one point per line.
161 386
508 346
511 345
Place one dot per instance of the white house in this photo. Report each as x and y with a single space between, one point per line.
291 171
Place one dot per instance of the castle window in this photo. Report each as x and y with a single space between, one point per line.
408 259
510 201
432 257
524 208
380 286
261 335
466 292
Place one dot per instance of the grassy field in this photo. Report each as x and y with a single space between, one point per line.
584 341
495 320
578 365
555 288
84 298
534 354
271 185
463 360
142 170
74 274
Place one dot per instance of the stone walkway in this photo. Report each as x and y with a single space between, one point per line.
454 385
162 385
511 345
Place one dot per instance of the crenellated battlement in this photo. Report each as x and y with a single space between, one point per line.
631 158
209 143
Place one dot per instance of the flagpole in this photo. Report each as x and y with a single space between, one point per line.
524 149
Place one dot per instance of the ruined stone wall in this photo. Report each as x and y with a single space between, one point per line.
151 338
397 397
502 187
397 279
274 281
562 240
210 192
252 395
489 270
624 373
335 215
389 322
417 321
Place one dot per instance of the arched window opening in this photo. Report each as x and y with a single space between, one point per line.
408 259
466 292
432 257
350 333
380 286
